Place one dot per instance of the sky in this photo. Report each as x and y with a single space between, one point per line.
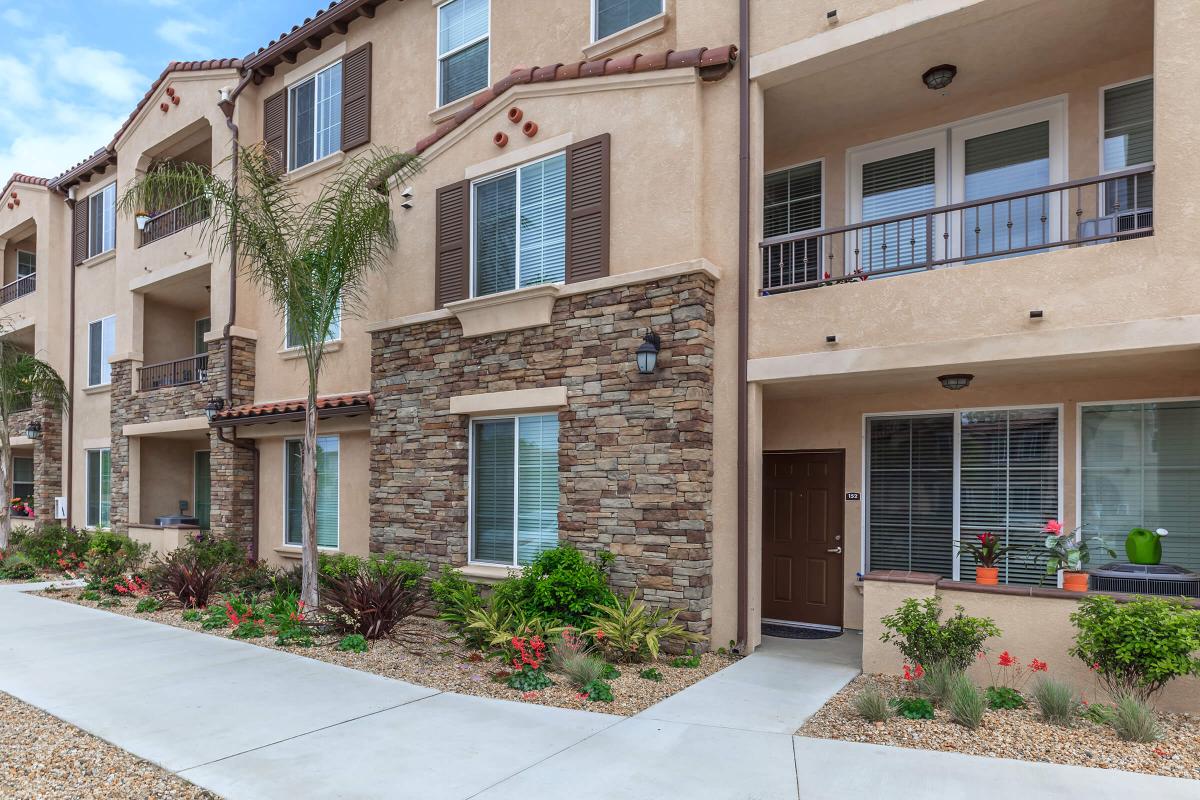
74 69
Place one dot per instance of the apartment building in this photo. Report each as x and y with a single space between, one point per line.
959 295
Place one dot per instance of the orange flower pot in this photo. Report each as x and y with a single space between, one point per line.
987 576
1075 581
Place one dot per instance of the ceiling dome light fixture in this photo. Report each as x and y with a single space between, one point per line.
956 381
939 77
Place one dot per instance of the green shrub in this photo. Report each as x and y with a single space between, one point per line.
252 578
610 673
1098 713
936 683
111 557
1057 702
529 679
354 643
913 707
496 624
1137 647
560 584
148 605
598 691
211 550
89 594
629 630
192 615
294 636
917 630
344 565
651 674
249 629
108 602
871 704
965 702
455 598
1134 721
17 567
1003 698
43 545
690 661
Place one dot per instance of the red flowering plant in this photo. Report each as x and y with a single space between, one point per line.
987 550
1068 550
69 563
528 674
1008 677
131 586
19 508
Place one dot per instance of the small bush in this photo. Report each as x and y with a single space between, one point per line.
913 707
598 691
249 629
369 604
965 702
1134 721
497 624
529 679
1098 713
210 550
354 643
107 601
148 605
872 705
917 630
1057 702
343 565
938 680
16 567
651 674
192 615
1137 647
111 557
690 661
628 630
560 584
89 594
257 578
47 545
294 636
455 599
610 673
1003 698
571 656
188 575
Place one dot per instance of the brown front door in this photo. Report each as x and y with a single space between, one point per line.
802 537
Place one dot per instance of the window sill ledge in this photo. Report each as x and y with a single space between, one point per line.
293 353
488 573
103 388
328 162
443 113
514 310
98 259
623 38
296 553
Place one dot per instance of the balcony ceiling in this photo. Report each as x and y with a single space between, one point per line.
1029 45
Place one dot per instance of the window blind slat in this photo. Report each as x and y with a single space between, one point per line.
617 15
537 486
493 487
465 72
898 185
543 219
495 234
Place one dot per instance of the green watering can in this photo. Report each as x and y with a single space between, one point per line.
1144 546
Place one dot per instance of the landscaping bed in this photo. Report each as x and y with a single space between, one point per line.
424 652
1016 733
44 758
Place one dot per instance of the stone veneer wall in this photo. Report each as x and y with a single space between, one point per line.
47 457
231 468
635 451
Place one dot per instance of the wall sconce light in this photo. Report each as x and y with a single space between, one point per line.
939 77
956 381
213 407
647 353
34 431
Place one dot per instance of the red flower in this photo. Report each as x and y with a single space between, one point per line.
1095 667
1006 660
599 635
1038 666
908 676
1054 527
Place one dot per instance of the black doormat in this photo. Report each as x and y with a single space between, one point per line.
796 632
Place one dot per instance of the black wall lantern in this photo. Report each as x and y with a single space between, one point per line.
213 407
647 353
939 77
34 431
956 381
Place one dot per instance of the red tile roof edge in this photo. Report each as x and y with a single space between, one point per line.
258 410
20 177
713 64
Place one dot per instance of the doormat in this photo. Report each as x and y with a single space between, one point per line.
797 632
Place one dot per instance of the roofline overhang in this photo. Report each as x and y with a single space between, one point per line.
306 36
290 416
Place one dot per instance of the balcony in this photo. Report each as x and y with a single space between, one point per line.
173 220
1078 213
18 288
180 372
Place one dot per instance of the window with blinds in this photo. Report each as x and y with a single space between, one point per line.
102 220
514 488
328 497
1128 142
316 117
99 487
792 204
22 480
26 263
1000 163
899 185
1006 469
102 341
462 49
202 488
1140 468
520 227
613 16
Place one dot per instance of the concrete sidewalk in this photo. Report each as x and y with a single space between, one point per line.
249 722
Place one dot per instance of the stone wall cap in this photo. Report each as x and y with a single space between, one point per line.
903 576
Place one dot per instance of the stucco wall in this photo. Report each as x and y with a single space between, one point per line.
167 475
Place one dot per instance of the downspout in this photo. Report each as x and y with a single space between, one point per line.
227 106
743 287
70 415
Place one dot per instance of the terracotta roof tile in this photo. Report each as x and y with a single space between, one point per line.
713 63
326 406
324 22
28 180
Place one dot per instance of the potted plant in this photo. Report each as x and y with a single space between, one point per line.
987 551
1069 553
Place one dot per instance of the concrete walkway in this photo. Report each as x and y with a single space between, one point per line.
248 722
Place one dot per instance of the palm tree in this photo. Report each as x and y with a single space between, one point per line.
23 378
310 257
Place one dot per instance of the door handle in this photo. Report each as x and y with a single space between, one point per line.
837 549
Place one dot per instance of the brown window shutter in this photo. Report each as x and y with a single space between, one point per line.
356 98
587 209
79 231
453 265
275 112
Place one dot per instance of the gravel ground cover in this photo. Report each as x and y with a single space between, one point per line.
425 654
43 757
1014 734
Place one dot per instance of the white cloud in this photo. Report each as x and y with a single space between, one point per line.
22 83
16 17
46 151
187 36
106 72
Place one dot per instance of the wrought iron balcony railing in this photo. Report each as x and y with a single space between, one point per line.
192 369
18 288
175 219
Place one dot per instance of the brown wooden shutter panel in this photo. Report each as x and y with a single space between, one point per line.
356 98
588 209
79 232
275 113
453 262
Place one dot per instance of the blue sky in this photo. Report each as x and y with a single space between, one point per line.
74 69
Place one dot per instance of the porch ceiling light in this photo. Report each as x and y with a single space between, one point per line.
647 353
34 431
213 407
956 381
939 77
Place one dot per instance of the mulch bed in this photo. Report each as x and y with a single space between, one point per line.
426 654
1016 734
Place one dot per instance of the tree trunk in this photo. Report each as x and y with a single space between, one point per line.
308 517
6 483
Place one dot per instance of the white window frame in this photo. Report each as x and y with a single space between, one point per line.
87 487
441 57
104 365
99 194
30 253
595 19
284 532
516 485
517 241
291 139
1101 198
332 335
956 531
824 194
